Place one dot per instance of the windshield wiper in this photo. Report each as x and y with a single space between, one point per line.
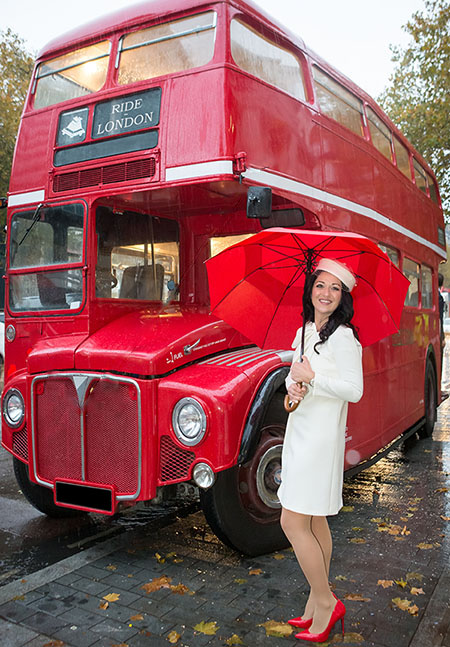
36 218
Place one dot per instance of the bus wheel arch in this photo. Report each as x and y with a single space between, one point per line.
39 496
242 507
430 396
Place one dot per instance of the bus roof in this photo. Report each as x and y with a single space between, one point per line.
145 12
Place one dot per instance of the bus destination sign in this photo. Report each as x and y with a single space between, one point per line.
127 114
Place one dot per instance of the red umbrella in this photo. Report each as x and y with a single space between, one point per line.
257 285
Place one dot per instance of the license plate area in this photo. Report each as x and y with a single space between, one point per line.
82 496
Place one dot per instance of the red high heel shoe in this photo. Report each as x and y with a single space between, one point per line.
300 623
338 614
304 624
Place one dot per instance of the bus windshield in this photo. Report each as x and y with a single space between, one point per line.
72 75
39 239
137 256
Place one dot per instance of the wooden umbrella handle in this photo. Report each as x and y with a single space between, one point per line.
289 404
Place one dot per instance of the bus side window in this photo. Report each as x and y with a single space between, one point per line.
432 189
338 103
391 252
380 133
426 287
402 158
411 271
420 176
257 55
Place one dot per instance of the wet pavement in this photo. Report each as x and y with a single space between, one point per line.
159 585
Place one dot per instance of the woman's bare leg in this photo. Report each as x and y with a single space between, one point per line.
298 528
322 533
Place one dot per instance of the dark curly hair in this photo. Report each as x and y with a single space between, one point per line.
342 316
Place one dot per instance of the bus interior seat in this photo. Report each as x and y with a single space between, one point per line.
138 282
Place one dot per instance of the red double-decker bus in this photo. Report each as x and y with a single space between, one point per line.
140 137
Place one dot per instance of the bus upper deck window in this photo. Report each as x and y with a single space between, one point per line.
419 174
337 102
265 60
402 156
167 48
380 133
71 75
432 189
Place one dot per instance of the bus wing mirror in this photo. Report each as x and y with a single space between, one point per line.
259 202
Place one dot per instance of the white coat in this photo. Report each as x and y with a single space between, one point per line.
313 450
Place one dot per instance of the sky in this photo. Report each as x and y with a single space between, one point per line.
353 35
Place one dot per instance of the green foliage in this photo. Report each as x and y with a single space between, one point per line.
418 97
16 66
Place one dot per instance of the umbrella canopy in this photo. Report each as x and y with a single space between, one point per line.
257 285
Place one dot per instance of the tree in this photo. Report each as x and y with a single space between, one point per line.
16 66
418 97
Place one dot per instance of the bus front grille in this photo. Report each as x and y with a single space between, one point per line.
87 428
108 174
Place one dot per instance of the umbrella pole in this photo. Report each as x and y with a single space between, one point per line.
291 405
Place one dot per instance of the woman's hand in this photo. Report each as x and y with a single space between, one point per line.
302 371
296 392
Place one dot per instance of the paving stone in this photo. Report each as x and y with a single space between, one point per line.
112 629
15 611
76 636
13 635
90 586
43 622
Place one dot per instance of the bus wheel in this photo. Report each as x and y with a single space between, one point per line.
242 506
39 496
430 402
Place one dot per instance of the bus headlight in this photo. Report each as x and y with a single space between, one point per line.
189 421
13 408
203 476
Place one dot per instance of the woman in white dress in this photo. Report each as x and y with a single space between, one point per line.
324 380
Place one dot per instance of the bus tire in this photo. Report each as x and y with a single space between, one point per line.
430 394
242 507
39 496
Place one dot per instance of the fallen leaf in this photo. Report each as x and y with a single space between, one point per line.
277 629
401 583
159 558
414 576
111 567
385 583
427 451
441 489
157 583
356 597
357 529
406 605
255 571
398 538
240 580
234 640
181 589
377 520
444 518
416 591
173 637
103 605
347 508
54 643
208 628
171 555
424 546
405 532
138 616
112 597
341 578
119 645
357 540
413 509
278 556
19 597
415 499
